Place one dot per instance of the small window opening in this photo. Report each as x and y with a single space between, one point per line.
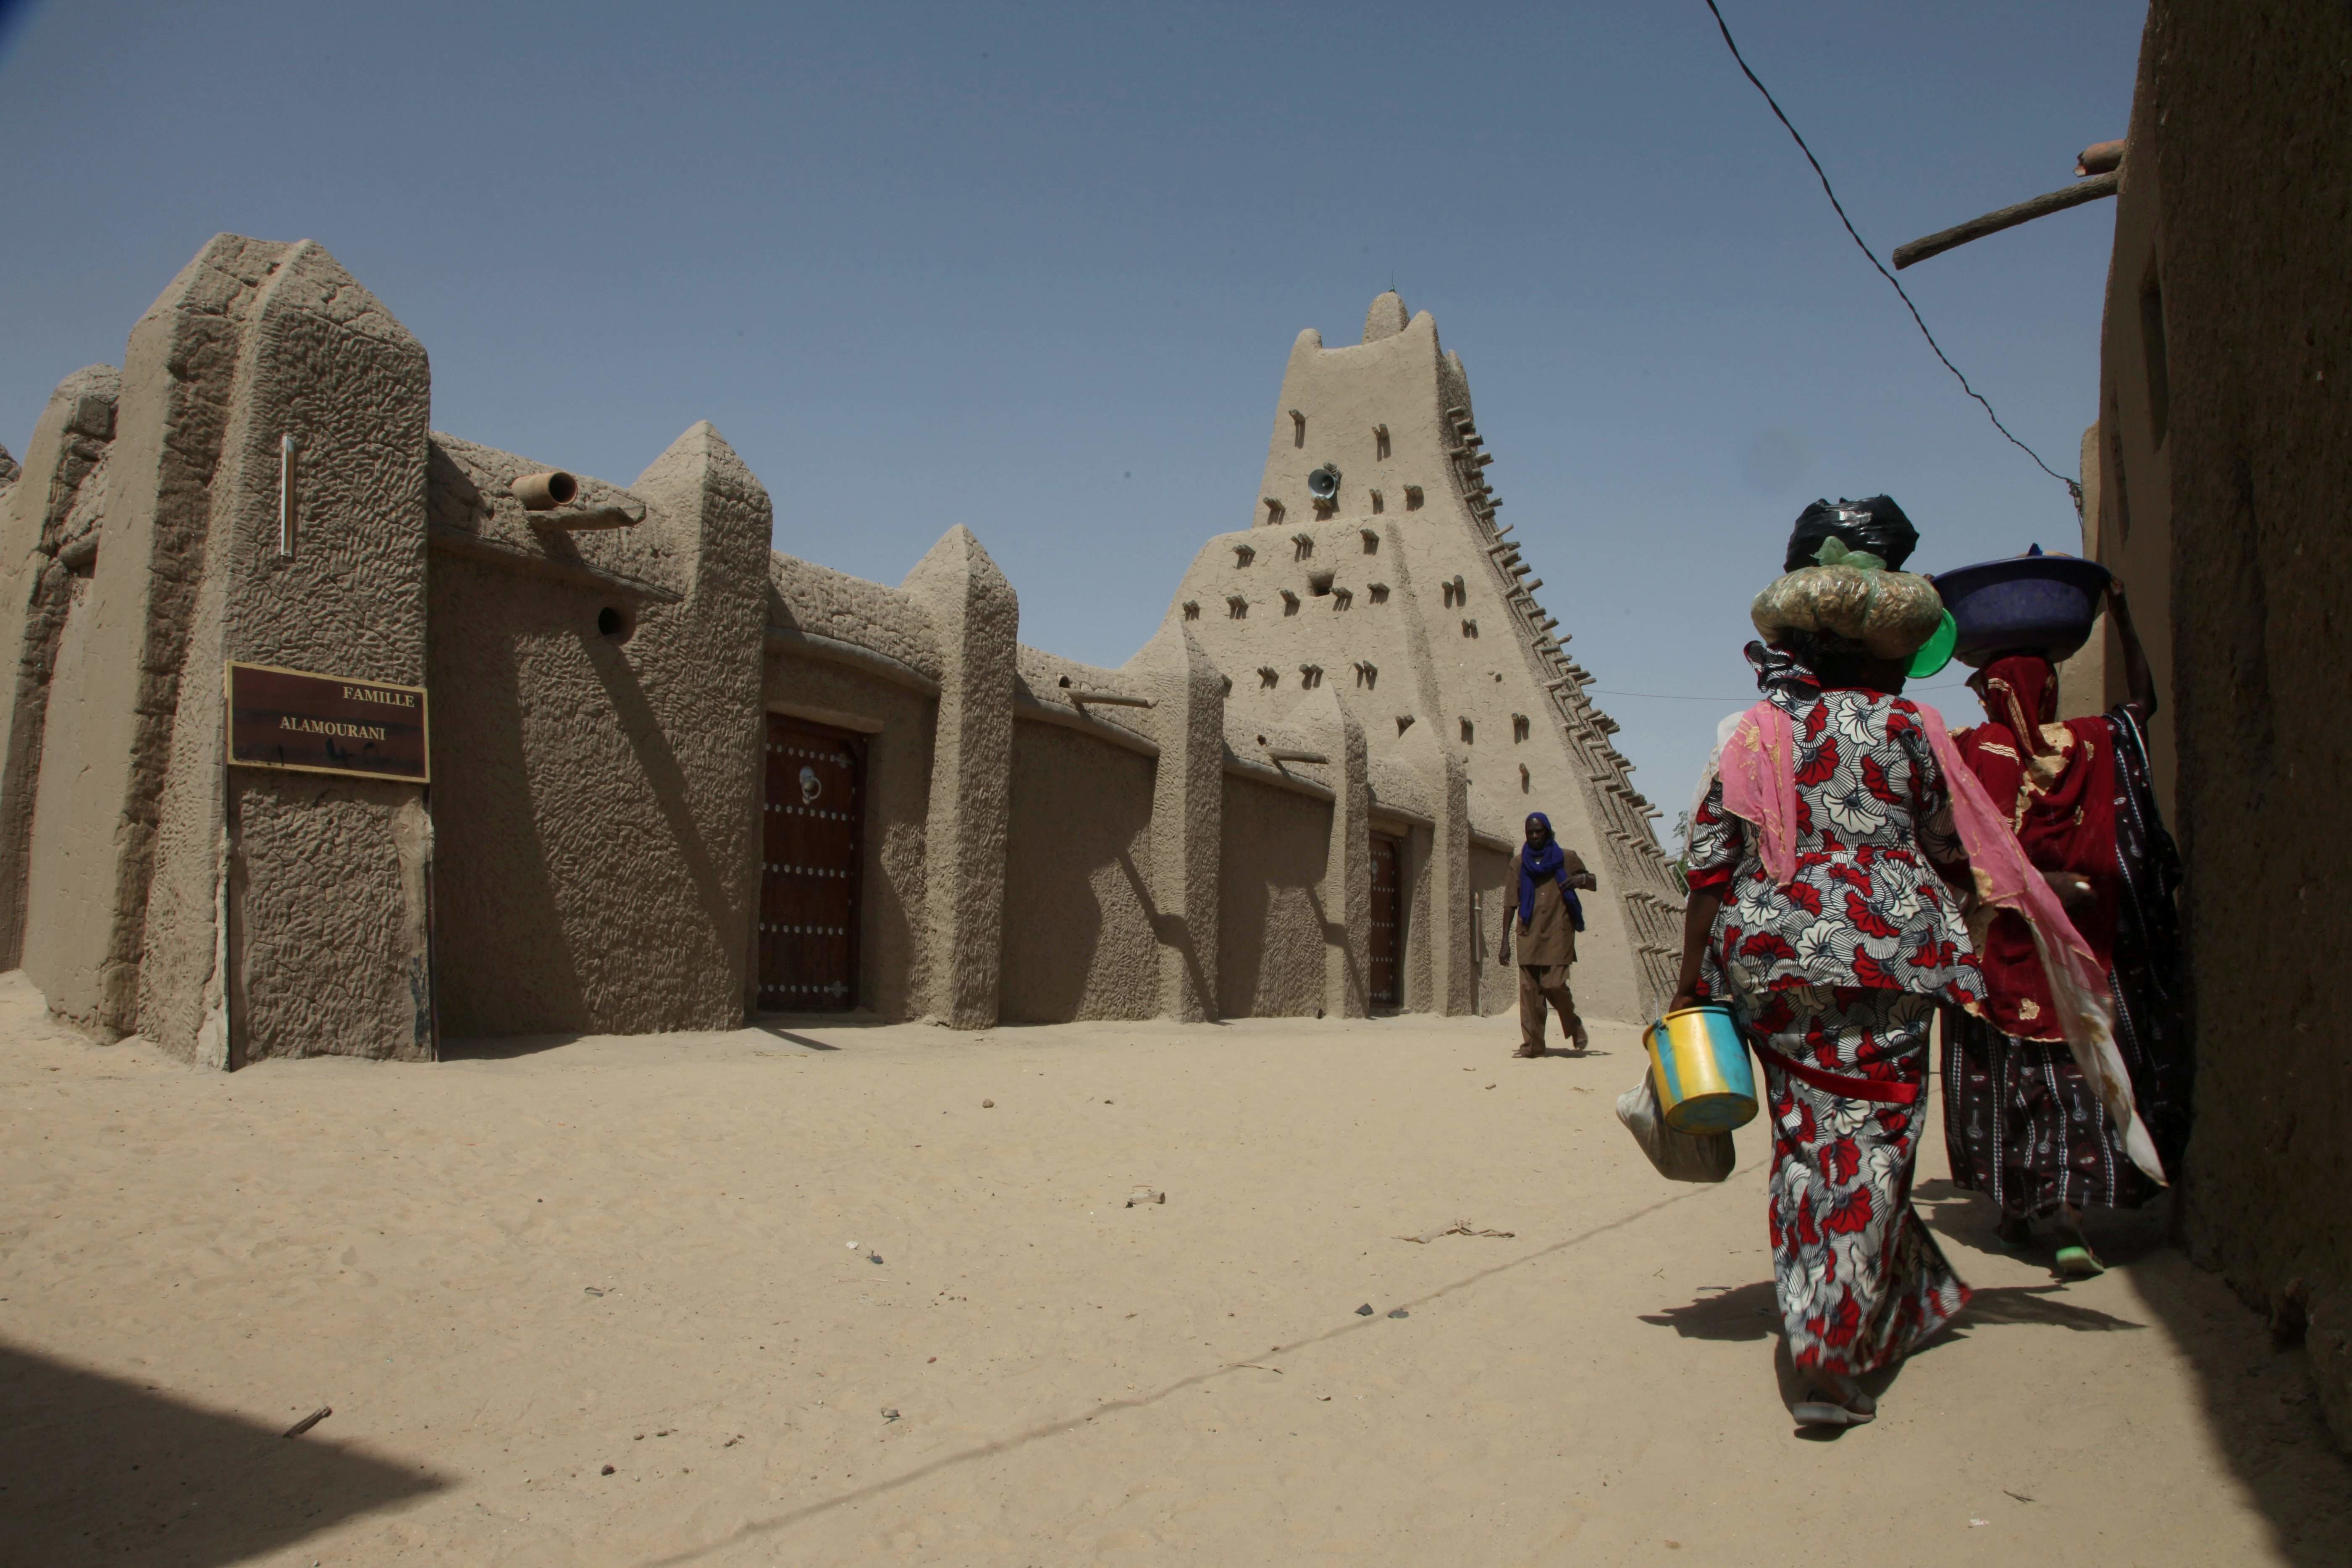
1289 603
1379 592
1310 677
1237 607
1297 428
1519 726
1469 732
1341 598
1273 513
1318 584
1371 539
1413 498
1244 554
1380 441
1192 610
615 623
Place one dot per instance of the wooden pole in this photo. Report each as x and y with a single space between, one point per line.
2090 189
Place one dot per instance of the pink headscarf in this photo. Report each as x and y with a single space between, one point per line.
1759 769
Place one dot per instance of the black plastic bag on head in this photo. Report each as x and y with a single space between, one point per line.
1875 523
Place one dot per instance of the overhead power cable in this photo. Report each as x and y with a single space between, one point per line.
2074 487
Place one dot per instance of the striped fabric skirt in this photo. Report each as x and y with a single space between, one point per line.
2023 1126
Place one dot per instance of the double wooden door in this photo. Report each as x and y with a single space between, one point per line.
1387 923
811 852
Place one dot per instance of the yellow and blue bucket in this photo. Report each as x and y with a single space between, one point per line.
1704 1082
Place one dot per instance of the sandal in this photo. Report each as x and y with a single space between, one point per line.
2075 1261
1829 1412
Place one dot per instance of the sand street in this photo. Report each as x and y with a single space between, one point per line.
196 1261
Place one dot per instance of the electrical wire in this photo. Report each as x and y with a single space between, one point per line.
1749 698
2074 487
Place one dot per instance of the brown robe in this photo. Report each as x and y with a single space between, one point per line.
1550 939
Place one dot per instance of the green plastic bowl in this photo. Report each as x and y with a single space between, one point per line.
1937 652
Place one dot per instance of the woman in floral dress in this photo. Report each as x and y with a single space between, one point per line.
1825 872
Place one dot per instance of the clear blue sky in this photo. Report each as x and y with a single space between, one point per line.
1035 268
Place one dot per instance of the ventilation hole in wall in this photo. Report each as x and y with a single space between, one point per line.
1297 428
1192 610
1371 539
1470 628
1413 498
1342 598
1469 732
1520 729
1379 592
615 623
1405 722
1525 785
1380 441
1289 603
1318 584
1237 607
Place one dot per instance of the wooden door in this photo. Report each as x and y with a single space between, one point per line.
812 850
1388 922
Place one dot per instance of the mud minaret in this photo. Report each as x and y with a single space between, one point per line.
1375 564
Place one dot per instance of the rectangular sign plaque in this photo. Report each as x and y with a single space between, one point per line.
325 724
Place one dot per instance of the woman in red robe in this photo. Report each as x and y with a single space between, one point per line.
2021 1123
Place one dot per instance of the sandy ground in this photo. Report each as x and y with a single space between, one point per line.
811 1302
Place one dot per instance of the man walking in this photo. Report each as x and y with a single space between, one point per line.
1546 878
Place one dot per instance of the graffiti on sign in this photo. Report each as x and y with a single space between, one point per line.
325 724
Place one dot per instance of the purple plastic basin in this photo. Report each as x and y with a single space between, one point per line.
2042 601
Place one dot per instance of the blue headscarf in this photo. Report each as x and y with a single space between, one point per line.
1549 864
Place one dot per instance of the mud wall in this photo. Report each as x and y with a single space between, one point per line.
596 773
1078 938
2244 119
1271 946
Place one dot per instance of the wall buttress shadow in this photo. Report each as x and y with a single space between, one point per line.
94 1468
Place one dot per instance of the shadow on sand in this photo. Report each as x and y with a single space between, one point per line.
98 1470
2257 1398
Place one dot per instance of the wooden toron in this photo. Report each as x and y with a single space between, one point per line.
311 723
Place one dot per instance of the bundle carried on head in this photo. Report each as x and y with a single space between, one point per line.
1842 585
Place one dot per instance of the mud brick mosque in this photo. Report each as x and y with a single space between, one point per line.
331 734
